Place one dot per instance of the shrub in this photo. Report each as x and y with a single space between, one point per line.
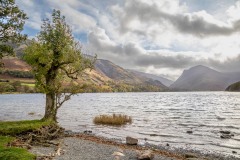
115 119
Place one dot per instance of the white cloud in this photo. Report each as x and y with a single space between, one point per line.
162 37
234 11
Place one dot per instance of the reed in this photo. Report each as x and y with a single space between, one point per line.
114 119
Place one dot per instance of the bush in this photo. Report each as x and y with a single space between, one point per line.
115 119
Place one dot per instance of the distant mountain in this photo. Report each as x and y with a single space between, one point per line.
115 72
235 87
164 81
118 74
202 78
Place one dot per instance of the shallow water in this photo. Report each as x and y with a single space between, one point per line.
158 118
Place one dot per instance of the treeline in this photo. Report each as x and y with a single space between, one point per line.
18 74
119 87
16 86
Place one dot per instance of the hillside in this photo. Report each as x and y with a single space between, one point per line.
202 78
115 72
164 81
105 77
15 64
235 87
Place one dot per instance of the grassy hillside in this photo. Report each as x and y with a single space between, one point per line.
16 76
234 87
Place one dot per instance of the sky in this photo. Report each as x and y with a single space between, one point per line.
161 37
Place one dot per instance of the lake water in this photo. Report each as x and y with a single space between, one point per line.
158 118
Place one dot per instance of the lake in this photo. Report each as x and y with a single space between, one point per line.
158 118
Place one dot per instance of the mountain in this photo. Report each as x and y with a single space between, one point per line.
115 72
164 81
120 75
235 87
105 77
202 78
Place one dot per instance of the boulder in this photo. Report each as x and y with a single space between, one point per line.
131 141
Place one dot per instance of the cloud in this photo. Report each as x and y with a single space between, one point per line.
162 37
164 62
229 64
200 23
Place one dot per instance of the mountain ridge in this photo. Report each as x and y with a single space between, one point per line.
106 76
202 78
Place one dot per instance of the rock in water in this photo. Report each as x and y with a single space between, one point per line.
131 141
225 132
189 132
145 155
225 136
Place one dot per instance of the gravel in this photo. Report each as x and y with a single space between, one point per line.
79 149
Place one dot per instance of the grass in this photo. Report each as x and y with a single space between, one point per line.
28 84
114 119
11 128
17 127
13 153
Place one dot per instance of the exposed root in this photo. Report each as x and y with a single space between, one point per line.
42 136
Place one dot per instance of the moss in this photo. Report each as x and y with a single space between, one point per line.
18 127
13 153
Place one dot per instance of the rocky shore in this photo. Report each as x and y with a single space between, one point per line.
86 146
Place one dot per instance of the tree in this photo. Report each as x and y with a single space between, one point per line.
12 20
57 61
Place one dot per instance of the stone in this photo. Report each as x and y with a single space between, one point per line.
145 155
131 141
190 155
225 136
225 132
70 133
87 132
189 132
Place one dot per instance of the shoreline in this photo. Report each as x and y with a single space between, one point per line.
159 151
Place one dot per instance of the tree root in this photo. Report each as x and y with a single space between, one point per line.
42 136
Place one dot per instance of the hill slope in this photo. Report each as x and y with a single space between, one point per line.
115 72
234 87
201 78
164 81
120 75
106 77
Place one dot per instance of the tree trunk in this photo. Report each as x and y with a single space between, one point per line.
51 107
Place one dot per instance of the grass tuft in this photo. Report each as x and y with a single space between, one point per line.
115 119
